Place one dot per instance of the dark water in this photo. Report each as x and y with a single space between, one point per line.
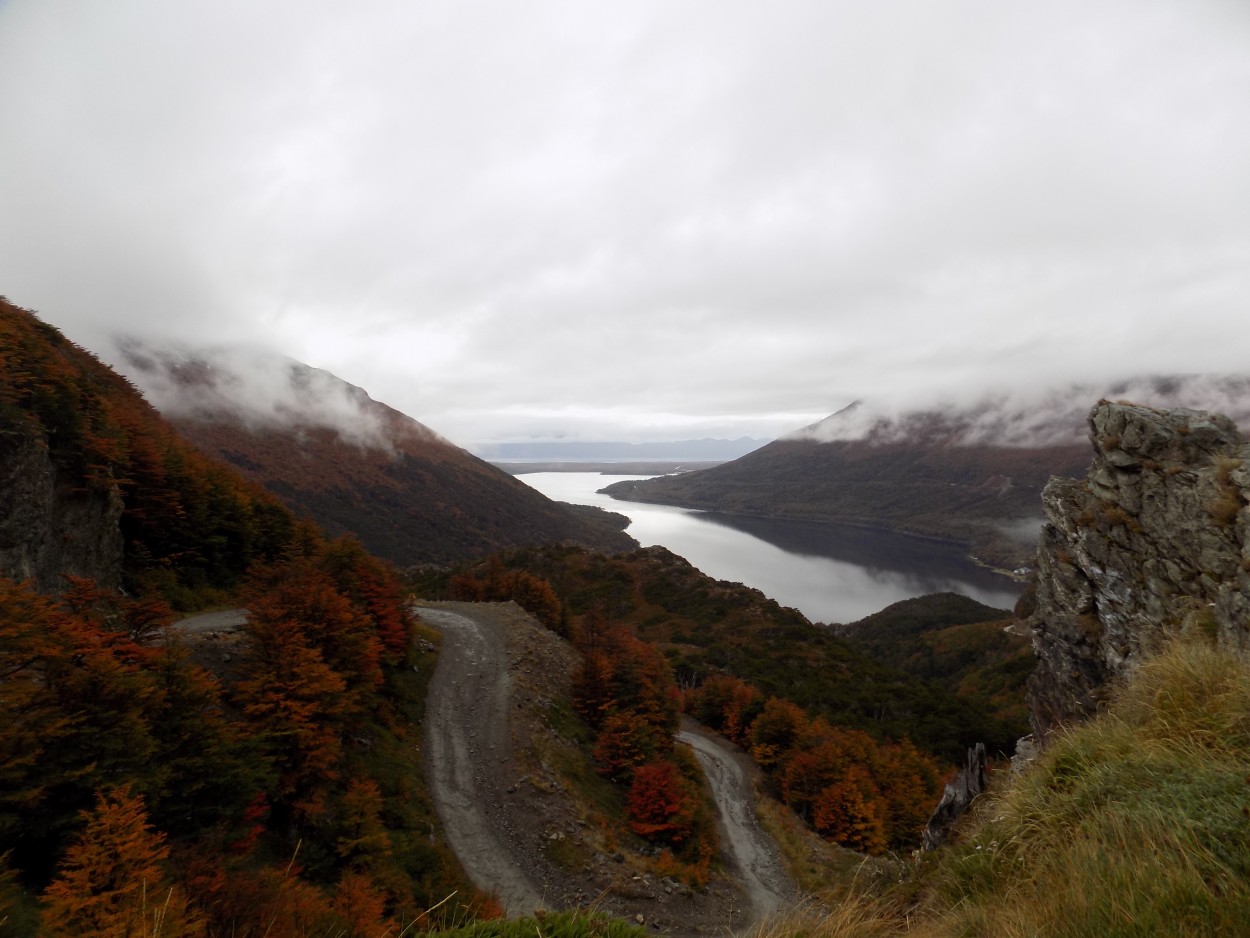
831 573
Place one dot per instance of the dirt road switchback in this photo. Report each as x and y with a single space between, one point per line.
467 746
768 887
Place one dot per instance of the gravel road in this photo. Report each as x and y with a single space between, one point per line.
768 888
468 763
224 620
467 746
495 823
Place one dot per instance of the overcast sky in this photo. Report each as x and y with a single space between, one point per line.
638 220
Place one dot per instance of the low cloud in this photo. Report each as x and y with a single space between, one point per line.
1023 417
256 388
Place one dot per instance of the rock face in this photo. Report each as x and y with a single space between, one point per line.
957 797
48 526
1155 540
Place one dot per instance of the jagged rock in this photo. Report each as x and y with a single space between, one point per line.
49 526
958 796
1025 754
1153 538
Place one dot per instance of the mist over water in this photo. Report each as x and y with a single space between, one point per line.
831 573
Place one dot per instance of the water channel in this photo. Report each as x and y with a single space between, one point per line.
829 572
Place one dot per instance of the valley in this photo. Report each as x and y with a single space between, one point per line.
970 474
830 572
327 762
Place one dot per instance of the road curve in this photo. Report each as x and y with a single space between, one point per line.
768 888
466 736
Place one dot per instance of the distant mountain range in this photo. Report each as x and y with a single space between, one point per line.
352 464
970 473
705 450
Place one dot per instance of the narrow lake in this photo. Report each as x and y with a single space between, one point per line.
831 573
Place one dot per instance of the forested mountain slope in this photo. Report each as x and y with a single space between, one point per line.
353 464
971 474
97 484
278 793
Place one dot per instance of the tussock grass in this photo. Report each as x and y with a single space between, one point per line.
863 918
1137 824
559 925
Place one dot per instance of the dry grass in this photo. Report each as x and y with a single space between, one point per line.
1134 825
862 918
1225 507
823 870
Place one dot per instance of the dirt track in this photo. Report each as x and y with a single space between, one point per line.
466 744
768 887
502 812
224 620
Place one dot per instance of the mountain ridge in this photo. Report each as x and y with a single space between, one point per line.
973 476
361 467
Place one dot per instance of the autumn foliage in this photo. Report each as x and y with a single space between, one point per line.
111 741
662 803
112 881
854 790
497 584
624 689
190 526
278 794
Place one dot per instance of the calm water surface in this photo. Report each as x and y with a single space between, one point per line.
831 573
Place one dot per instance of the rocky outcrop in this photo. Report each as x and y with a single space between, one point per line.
48 526
957 797
1153 541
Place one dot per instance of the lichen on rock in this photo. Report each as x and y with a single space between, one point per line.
1152 541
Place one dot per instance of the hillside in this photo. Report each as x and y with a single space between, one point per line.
1131 825
970 474
354 465
98 485
708 627
968 494
977 652
139 760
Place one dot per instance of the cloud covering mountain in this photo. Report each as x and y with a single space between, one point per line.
1023 417
638 221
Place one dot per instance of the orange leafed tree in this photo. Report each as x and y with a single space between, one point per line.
111 883
727 704
296 699
593 688
853 789
852 812
661 805
362 836
776 731
361 906
625 742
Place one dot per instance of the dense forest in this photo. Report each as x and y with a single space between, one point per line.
279 793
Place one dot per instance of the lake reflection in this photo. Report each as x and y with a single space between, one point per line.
830 572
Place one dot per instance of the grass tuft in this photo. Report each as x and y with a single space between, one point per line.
556 925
